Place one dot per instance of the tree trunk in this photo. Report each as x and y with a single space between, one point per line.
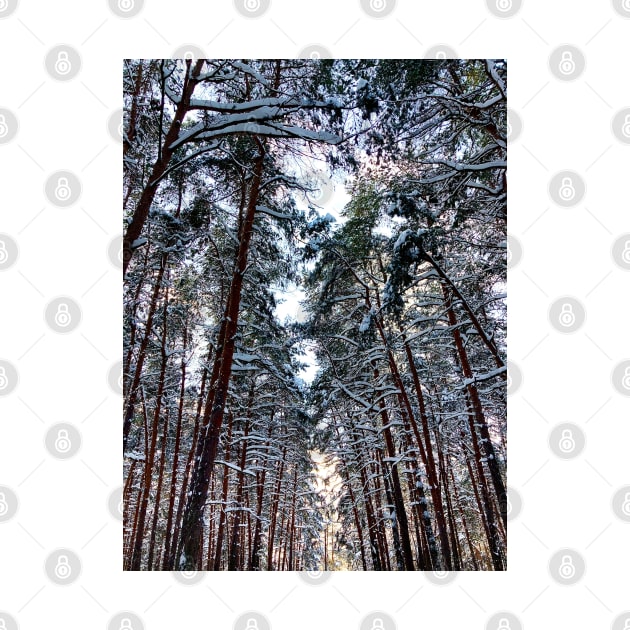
192 526
161 164
480 420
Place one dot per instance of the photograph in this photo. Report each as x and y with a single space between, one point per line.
314 360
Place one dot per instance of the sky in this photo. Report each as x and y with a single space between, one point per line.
289 300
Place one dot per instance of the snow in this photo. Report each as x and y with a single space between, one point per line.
139 242
401 239
261 123
273 213
135 455
321 220
365 324
245 358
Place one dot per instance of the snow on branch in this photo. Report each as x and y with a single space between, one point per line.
273 213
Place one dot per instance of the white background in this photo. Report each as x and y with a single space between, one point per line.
63 251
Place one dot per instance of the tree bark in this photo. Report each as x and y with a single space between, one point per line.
192 526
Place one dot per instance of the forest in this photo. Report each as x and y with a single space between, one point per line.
365 430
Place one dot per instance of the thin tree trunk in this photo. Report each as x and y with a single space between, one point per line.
133 390
178 437
224 497
166 152
136 557
236 525
480 420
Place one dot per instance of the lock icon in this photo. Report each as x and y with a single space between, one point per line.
567 316
378 5
440 54
252 5
504 5
4 506
567 568
4 128
4 254
3 5
567 189
4 380
3 625
125 5
62 316
625 381
125 624
625 506
252 624
63 443
567 63
567 442
377 624
626 7
504 624
63 190
63 570
62 64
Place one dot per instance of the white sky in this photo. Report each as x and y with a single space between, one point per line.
289 308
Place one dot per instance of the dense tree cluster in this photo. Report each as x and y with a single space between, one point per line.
405 312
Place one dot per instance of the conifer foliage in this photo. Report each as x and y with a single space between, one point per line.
394 456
